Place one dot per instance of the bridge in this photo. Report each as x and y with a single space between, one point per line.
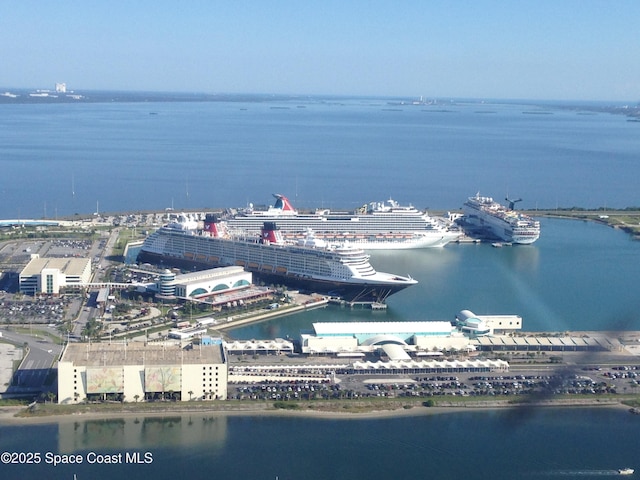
115 285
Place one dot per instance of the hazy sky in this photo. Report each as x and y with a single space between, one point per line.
535 49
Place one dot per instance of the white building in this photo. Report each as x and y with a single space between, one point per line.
137 372
481 325
365 337
204 283
51 275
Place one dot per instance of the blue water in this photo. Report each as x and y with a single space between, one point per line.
469 445
74 158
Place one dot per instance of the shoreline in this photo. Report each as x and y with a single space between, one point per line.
9 415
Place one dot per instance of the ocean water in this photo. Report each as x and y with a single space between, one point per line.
79 158
505 444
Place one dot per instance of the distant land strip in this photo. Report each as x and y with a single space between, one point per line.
626 219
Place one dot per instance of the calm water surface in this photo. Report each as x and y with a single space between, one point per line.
469 445
117 156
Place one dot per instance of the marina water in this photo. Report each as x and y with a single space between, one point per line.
341 153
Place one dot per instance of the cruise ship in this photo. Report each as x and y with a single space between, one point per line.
377 226
309 263
499 221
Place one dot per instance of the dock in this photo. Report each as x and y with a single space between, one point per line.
370 305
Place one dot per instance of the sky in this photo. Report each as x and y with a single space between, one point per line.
510 49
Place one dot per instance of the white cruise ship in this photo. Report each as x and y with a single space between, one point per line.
377 226
309 263
499 221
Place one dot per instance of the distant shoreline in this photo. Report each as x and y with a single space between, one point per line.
626 219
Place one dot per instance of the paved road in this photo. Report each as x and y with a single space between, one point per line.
35 367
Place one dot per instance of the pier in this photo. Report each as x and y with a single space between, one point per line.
370 305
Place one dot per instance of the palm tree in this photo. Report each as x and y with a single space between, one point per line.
190 392
136 397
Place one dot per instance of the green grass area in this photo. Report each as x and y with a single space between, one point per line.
126 235
14 402
627 219
36 332
355 406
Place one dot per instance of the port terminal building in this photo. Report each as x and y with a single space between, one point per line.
202 283
477 326
399 340
52 275
137 372
545 343
223 286
402 340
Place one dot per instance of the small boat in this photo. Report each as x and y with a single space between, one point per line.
625 471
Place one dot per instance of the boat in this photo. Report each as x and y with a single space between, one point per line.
500 222
309 263
625 471
376 226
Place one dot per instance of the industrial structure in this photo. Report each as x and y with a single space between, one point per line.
136 372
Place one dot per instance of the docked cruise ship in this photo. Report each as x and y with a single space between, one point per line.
501 222
309 263
377 226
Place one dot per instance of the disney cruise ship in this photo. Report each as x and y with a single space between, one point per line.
309 263
499 221
377 226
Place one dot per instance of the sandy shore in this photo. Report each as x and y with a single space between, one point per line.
8 415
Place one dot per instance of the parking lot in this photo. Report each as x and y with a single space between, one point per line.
567 378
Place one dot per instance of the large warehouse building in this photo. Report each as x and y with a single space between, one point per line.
51 275
137 372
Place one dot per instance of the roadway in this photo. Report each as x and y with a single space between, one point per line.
36 365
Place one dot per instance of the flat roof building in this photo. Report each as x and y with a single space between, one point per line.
137 372
51 275
365 337
481 325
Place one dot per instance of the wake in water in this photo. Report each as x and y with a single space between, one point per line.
581 473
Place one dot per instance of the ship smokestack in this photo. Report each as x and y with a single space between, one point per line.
270 233
213 226
283 203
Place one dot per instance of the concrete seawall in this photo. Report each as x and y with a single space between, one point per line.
279 312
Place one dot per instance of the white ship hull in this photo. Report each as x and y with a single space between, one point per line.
342 271
496 221
381 228
387 241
